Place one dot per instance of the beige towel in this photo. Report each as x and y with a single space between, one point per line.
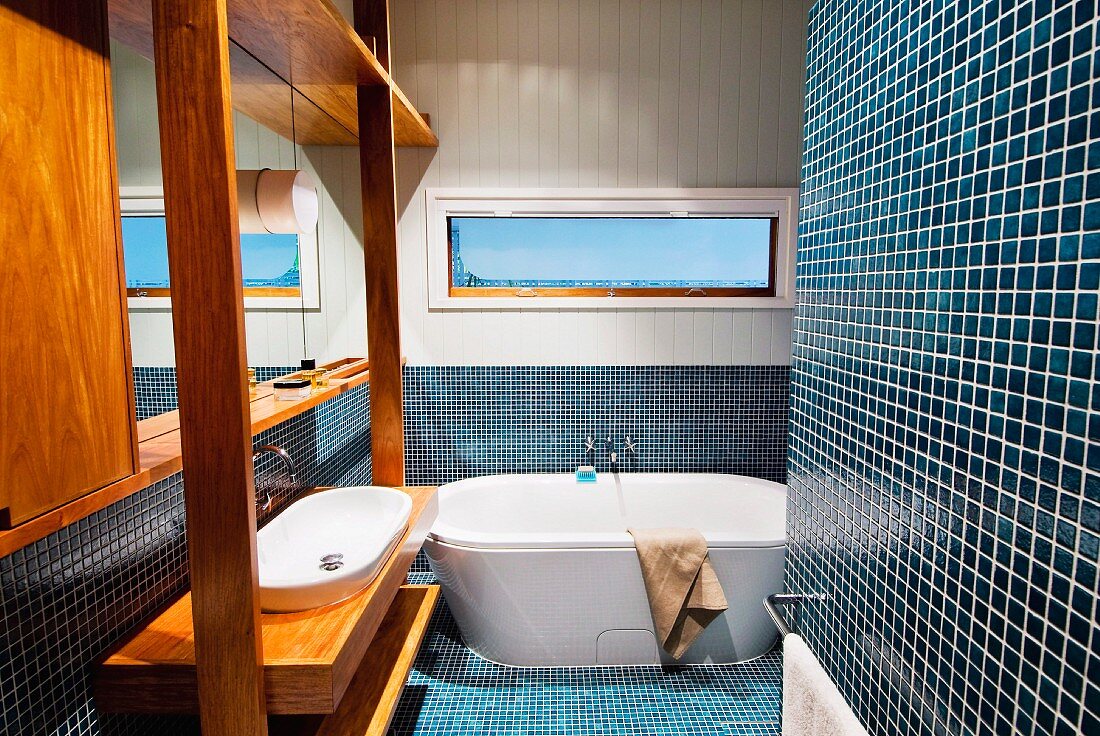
684 593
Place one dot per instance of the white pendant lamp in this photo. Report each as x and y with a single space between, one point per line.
276 201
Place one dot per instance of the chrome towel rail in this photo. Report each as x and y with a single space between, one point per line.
773 605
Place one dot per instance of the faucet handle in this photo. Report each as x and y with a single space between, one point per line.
589 444
630 444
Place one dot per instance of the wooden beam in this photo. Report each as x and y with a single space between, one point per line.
380 246
372 20
191 43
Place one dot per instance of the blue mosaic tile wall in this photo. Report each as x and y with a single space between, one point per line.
467 421
945 448
155 387
65 599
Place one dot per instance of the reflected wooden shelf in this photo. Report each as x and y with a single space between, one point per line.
313 660
310 45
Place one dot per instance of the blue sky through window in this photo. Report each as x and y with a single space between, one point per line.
610 251
266 260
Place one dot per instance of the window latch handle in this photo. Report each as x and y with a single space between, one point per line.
696 291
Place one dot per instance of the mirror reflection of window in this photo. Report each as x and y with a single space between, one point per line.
269 263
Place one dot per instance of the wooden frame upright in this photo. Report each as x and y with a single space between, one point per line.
376 156
191 44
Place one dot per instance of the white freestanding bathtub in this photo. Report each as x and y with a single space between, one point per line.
539 570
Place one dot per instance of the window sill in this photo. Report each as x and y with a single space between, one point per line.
529 303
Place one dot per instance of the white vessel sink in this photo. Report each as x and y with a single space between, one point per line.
329 545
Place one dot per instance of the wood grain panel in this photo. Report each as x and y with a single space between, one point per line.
380 250
200 198
61 285
310 657
368 705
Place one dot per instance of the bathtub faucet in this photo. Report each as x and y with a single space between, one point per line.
612 455
630 448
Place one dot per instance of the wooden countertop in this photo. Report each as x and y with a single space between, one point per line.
310 657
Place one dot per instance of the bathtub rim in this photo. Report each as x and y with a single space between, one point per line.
467 538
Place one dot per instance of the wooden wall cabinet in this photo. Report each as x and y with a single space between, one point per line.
67 422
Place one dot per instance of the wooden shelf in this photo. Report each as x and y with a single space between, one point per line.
410 128
369 703
310 657
160 455
310 46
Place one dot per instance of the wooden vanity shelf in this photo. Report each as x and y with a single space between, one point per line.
371 699
344 654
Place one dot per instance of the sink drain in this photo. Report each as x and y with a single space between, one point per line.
332 562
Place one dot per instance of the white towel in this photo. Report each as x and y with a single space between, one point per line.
812 705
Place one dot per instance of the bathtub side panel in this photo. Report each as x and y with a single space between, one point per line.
531 607
744 631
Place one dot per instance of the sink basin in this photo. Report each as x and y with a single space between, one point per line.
328 546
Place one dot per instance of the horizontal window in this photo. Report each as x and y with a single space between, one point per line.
608 256
610 248
269 263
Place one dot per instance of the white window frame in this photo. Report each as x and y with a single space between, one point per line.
444 203
149 201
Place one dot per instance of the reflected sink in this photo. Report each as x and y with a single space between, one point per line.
328 546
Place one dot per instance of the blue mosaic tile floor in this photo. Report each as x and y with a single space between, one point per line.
453 691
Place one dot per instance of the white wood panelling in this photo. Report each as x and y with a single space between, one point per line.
596 93
274 336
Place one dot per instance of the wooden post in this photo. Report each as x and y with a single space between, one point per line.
200 194
380 246
376 158
372 18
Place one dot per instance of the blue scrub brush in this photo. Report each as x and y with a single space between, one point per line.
586 474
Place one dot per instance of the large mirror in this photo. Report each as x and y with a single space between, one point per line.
303 286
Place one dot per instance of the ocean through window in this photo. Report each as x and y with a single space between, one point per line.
597 255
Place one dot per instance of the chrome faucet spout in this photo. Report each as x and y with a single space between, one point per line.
288 461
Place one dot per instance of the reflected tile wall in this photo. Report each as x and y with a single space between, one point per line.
467 421
155 387
945 449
